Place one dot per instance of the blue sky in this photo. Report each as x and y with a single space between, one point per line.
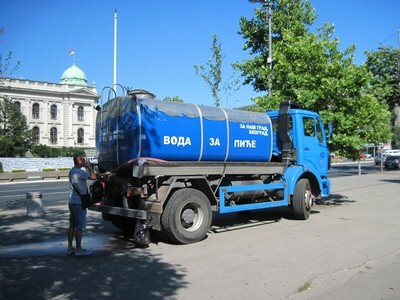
159 42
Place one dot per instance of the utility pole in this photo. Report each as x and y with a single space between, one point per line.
115 48
268 14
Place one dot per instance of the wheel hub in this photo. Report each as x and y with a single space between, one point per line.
308 199
188 216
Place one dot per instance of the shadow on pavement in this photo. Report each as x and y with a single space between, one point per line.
236 221
334 199
135 274
391 180
34 264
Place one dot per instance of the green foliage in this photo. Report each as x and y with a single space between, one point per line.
384 66
64 168
396 136
253 108
15 135
47 151
309 68
1 167
48 169
44 151
213 74
173 99
71 151
18 170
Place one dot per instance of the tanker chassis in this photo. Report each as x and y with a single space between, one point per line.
173 164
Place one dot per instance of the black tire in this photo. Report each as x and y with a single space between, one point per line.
187 216
302 200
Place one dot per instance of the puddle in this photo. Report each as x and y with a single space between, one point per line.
99 244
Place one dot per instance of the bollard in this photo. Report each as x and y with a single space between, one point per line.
34 205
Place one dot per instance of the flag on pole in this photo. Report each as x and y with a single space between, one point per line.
71 52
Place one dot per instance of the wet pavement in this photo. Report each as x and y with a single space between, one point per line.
99 243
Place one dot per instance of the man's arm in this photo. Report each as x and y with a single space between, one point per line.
93 175
89 167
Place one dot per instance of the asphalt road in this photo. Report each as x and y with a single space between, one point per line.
13 195
348 249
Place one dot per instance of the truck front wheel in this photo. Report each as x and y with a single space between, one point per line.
187 216
302 200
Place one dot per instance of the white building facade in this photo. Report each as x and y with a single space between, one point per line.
60 114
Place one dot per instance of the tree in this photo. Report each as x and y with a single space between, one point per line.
396 136
309 68
15 136
47 151
173 99
384 66
213 74
6 67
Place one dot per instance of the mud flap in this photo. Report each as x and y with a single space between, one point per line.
142 228
142 233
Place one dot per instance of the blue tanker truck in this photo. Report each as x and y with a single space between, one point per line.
173 164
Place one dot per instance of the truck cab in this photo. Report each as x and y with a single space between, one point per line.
306 142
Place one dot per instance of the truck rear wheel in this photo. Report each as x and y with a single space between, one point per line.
302 200
187 216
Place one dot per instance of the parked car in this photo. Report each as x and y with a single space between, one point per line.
367 155
392 152
377 159
392 161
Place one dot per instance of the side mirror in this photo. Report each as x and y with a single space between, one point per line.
330 131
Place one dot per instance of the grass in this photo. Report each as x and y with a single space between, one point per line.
49 169
304 287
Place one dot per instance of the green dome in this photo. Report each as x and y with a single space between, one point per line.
74 75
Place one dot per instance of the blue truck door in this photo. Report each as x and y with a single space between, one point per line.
315 147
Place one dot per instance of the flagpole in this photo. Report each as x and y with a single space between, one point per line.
115 47
72 52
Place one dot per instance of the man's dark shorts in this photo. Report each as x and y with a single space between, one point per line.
77 216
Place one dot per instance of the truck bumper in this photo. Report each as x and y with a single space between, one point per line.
119 211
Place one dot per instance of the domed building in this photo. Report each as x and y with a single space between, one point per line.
60 114
74 75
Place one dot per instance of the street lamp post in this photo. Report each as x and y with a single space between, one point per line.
267 4
268 14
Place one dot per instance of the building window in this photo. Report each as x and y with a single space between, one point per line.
18 105
81 136
53 135
53 112
36 135
80 113
35 111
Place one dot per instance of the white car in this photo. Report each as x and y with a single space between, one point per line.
392 152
